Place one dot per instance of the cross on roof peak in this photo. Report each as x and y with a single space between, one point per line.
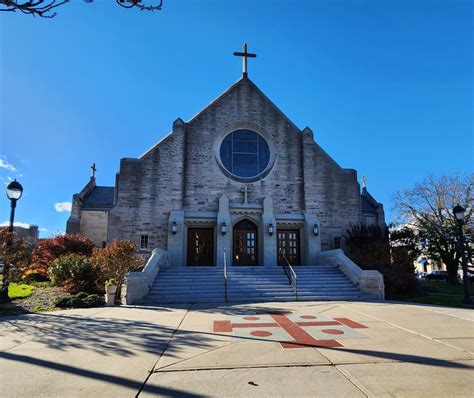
244 54
364 182
93 168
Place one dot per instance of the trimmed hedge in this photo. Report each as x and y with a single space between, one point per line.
81 300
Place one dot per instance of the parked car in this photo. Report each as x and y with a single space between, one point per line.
420 275
437 276
469 275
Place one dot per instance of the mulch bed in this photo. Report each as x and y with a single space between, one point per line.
42 299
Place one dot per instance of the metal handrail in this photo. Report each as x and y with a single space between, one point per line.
290 273
225 277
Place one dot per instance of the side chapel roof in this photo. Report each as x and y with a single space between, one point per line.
99 198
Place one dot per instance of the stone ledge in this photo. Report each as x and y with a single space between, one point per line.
368 281
138 284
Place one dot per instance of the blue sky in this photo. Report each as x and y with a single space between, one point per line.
386 86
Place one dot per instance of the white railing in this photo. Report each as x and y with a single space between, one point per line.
291 274
225 276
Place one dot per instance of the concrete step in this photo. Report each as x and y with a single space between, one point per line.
182 283
251 284
184 295
153 302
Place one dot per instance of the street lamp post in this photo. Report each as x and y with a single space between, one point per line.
459 214
14 192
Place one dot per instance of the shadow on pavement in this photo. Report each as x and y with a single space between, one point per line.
127 338
122 381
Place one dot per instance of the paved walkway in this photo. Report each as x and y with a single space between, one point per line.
266 350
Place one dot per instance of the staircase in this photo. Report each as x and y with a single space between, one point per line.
326 283
187 285
251 284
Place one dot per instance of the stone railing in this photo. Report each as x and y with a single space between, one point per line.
138 284
368 281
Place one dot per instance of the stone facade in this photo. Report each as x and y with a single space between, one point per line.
181 183
94 225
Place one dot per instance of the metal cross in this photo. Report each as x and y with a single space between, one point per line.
93 169
364 182
244 54
245 190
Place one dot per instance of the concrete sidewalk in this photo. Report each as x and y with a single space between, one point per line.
269 349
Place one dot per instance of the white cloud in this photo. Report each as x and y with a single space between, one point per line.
44 229
16 224
61 207
5 165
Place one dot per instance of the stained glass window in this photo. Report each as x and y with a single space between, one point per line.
245 153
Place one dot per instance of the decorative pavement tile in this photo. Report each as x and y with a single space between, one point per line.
291 330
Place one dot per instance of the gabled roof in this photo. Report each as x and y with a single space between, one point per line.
243 80
368 203
99 198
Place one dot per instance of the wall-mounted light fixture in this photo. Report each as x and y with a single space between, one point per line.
174 228
316 230
270 229
223 228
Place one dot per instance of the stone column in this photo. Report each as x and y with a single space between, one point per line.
269 241
176 241
223 241
311 243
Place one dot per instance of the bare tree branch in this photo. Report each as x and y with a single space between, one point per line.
44 8
429 206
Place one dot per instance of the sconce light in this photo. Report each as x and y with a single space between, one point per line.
316 230
174 228
223 228
270 229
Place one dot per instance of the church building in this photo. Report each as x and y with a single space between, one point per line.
238 176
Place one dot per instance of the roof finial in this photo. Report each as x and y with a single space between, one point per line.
93 170
244 54
364 182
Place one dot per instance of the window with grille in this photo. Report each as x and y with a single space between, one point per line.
143 241
245 153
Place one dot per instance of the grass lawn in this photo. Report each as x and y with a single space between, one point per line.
16 290
441 293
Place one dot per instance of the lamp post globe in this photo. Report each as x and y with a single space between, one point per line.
14 190
458 212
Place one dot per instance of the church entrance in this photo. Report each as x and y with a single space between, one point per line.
200 246
288 243
245 243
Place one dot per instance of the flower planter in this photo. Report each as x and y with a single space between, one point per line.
110 289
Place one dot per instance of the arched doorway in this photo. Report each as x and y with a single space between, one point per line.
245 245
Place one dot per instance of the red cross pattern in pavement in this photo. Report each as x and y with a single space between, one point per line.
291 330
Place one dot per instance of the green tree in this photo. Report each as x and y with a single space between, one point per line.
428 206
392 254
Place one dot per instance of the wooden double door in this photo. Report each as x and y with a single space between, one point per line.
200 251
201 246
288 243
245 243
